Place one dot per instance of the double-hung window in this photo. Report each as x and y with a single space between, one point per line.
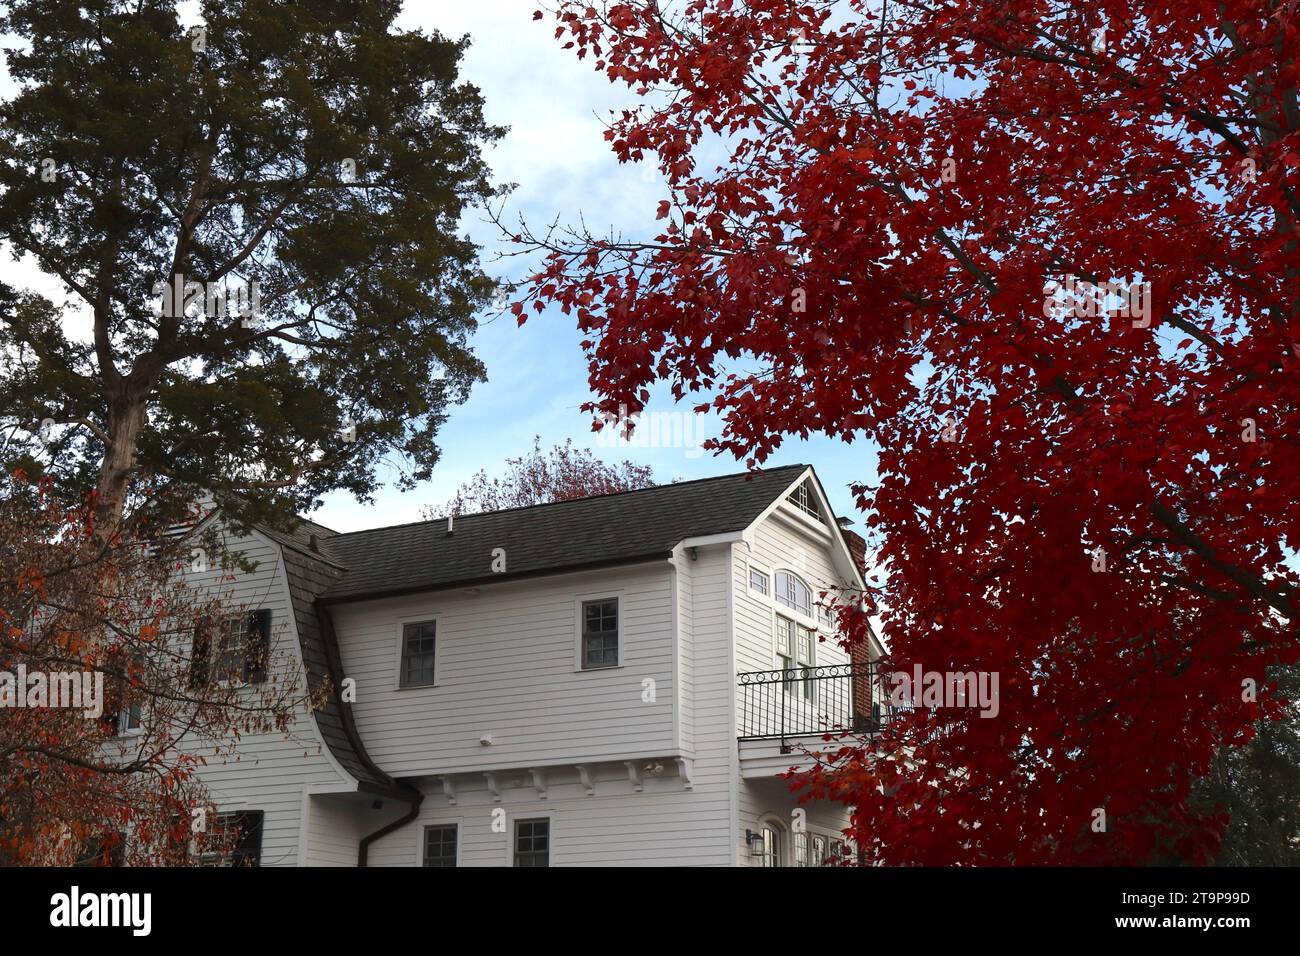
419 646
232 650
600 634
794 656
237 839
785 639
533 842
228 654
803 658
440 845
130 717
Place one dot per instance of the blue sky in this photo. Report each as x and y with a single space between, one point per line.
537 378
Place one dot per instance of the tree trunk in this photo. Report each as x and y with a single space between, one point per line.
126 419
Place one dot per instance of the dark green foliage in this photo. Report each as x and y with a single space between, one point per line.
228 165
1258 787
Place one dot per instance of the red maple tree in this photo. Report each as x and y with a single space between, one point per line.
537 478
104 723
1044 256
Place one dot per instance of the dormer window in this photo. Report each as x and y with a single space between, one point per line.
805 499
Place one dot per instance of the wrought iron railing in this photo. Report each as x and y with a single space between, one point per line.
806 701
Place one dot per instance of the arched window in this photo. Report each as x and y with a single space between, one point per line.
791 591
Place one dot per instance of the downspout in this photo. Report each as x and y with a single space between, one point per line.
416 798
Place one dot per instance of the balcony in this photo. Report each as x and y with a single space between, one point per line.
783 706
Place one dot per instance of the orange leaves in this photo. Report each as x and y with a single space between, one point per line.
31 579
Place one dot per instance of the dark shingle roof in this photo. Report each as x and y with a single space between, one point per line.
567 535
308 575
301 536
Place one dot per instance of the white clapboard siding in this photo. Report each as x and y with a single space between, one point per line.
664 824
271 771
777 544
774 545
335 827
507 666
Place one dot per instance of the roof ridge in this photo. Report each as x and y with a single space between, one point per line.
287 542
574 501
315 524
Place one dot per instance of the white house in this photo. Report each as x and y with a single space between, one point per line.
614 680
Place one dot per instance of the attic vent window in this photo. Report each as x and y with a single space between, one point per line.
805 500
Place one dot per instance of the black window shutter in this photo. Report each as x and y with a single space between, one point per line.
199 654
259 647
113 697
248 849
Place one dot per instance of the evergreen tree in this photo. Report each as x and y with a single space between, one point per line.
256 219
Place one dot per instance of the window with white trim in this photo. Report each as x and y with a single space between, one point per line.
129 720
440 845
600 634
533 842
232 650
785 640
795 649
228 655
818 849
791 591
771 846
801 849
123 708
419 654
236 838
758 580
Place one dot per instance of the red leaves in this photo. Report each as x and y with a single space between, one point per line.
1067 424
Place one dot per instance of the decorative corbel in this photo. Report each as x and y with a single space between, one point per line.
584 774
634 774
686 770
539 781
